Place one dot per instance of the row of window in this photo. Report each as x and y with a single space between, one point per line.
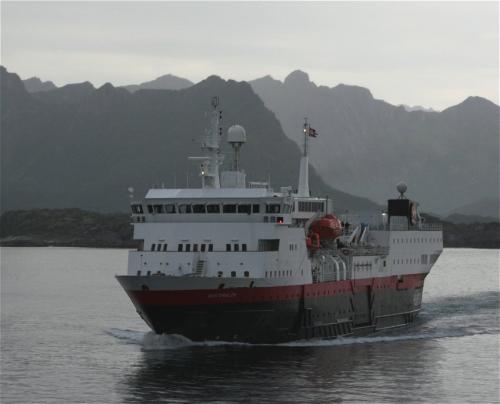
242 208
236 247
279 274
417 240
401 261
293 247
220 274
311 206
263 245
184 247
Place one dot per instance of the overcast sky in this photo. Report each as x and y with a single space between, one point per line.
430 54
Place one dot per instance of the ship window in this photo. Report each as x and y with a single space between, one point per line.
213 208
273 208
233 274
188 247
243 247
198 208
203 247
231 208
228 247
184 208
170 208
210 247
195 247
179 248
265 275
158 208
236 247
150 208
137 209
158 247
153 247
164 247
246 274
244 209
256 208
219 274
269 244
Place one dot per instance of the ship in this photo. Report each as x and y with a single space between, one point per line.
235 260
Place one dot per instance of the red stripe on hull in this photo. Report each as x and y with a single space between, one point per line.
169 298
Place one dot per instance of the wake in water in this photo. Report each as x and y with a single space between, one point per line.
450 317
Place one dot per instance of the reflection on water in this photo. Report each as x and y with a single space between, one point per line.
282 374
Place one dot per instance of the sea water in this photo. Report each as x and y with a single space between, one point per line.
69 334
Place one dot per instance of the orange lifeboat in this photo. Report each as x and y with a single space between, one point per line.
328 227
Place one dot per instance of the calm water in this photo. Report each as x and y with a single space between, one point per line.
69 334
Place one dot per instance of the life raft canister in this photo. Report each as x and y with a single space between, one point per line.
328 227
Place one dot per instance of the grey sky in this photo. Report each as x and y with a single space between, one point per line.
432 54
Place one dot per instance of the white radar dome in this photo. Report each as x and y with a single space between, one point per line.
236 134
401 187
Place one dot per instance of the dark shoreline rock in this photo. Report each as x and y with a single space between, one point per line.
80 228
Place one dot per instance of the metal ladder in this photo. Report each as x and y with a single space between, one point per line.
200 268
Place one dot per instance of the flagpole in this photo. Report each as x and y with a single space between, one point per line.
306 135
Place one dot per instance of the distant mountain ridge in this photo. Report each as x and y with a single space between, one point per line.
82 147
34 84
366 145
165 82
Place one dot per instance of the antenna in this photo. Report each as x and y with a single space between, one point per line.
236 137
401 187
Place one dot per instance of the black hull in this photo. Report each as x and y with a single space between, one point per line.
359 311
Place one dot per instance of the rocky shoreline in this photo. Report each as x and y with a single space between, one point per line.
80 228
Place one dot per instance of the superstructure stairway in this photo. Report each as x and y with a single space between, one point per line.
200 268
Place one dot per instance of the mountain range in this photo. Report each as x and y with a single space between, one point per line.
83 147
365 145
449 159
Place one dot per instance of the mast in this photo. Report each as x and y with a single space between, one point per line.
303 189
209 167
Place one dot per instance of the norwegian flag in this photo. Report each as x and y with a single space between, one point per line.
312 132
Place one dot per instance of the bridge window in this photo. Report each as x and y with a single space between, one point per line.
236 247
170 208
273 208
245 208
158 247
188 247
311 206
137 209
246 274
158 208
179 247
195 247
203 247
228 247
164 247
210 247
213 208
184 208
230 208
153 247
243 247
233 274
269 244
199 209
150 208
256 208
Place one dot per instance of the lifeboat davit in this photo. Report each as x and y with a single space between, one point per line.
327 227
